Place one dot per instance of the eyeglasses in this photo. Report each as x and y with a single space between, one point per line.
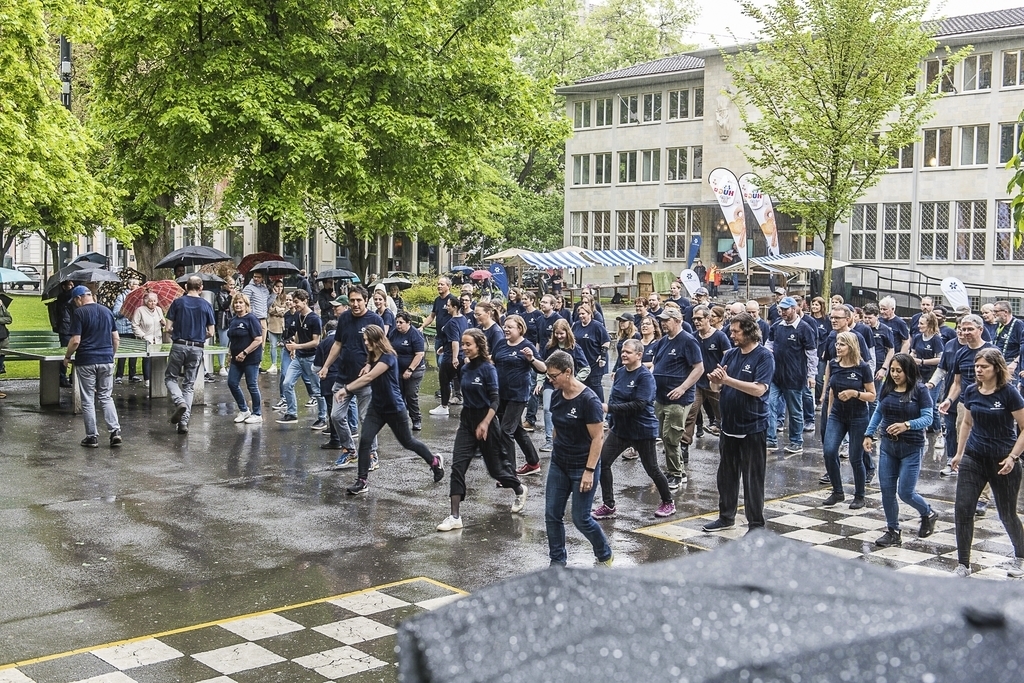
555 376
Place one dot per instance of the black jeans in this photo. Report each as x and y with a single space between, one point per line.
448 375
510 415
373 422
610 452
974 474
744 457
466 445
411 394
594 381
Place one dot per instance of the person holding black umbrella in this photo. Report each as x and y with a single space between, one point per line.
60 312
989 446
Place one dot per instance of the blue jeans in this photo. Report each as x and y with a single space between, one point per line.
564 483
272 340
899 475
251 372
808 405
794 399
936 393
303 365
546 394
222 340
835 431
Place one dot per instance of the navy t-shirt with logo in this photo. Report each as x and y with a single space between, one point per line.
532 320
190 316
883 341
452 332
571 419
386 390
900 331
479 379
713 349
352 356
628 386
842 378
926 350
649 350
995 430
963 363
829 348
904 406
544 326
493 335
242 331
673 361
388 317
93 323
790 345
308 326
407 346
591 338
441 318
515 373
742 413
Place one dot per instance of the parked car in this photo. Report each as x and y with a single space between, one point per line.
32 272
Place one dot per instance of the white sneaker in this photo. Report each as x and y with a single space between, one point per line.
940 443
1014 568
147 384
242 414
946 471
440 411
520 502
311 403
272 370
450 523
962 571
254 420
224 371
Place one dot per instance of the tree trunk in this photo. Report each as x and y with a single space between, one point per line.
156 241
268 234
356 250
826 275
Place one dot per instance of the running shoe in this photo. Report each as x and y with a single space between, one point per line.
666 509
312 403
528 469
630 454
927 524
417 426
794 449
546 448
674 482
450 523
254 420
1014 568
272 370
91 442
115 438
528 426
825 479
809 427
608 562
603 512
347 460
179 411
947 471
520 502
319 424
374 462
224 372
717 525
358 487
240 417
713 430
963 571
455 401
438 468
844 450
440 411
890 539
980 509
287 419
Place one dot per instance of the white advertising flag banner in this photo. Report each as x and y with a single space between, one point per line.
761 205
727 192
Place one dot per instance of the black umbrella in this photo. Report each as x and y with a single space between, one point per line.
399 282
207 278
336 274
760 608
93 275
92 257
5 300
52 287
273 268
192 255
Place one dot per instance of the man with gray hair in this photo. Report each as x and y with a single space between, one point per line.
93 342
190 320
1008 336
900 331
754 310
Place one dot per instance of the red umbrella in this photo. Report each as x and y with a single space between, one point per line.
480 274
165 290
246 264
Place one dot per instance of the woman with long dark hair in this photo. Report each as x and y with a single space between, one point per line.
562 339
904 411
479 430
449 339
516 359
410 347
989 446
387 407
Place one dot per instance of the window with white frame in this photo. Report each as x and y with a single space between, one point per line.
864 232
1009 140
974 146
602 231
652 107
905 157
629 109
603 109
581 114
698 103
970 230
932 69
934 233
978 72
627 167
649 233
678 104
650 169
603 168
938 147
678 163
581 169
579 229
697 167
896 232
677 241
1013 68
625 230
1005 249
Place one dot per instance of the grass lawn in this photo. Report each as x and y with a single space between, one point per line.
29 314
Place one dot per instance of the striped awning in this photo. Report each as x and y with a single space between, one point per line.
555 259
617 257
790 264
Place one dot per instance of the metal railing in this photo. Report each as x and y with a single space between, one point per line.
863 284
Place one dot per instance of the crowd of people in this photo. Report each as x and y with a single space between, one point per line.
880 390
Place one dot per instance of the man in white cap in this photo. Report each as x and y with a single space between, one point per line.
94 342
773 311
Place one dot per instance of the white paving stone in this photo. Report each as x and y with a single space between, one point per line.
355 630
340 662
435 603
370 602
235 658
139 653
262 626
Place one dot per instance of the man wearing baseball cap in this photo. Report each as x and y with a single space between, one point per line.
94 341
773 310
795 347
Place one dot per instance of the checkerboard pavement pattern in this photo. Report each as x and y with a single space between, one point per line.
851 534
349 638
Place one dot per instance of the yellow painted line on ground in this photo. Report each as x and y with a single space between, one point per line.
218 622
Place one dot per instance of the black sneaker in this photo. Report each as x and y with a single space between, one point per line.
115 438
438 468
331 446
209 377
91 442
980 509
183 427
358 487
319 425
834 499
684 452
717 525
286 419
417 426
683 478
65 383
177 414
674 482
928 524
825 479
858 503
891 538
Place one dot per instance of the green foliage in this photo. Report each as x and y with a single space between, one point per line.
422 293
1015 189
824 100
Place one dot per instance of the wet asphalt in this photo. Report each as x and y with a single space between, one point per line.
171 531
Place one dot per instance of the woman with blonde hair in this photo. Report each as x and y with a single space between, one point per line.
926 349
850 390
562 339
387 407
245 348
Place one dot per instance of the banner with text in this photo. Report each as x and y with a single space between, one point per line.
727 192
761 204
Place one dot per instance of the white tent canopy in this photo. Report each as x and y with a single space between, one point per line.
785 264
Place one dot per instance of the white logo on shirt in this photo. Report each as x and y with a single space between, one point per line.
632 383
997 405
572 413
477 380
672 352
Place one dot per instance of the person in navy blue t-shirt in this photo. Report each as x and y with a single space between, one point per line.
451 355
575 460
94 342
592 337
633 425
478 430
191 321
989 447
517 362
926 348
744 379
302 349
485 317
245 345
387 407
713 345
380 307
795 347
410 346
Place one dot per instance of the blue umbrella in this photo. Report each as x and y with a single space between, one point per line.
8 276
462 269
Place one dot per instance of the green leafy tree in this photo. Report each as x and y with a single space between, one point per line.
46 180
1015 189
828 98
